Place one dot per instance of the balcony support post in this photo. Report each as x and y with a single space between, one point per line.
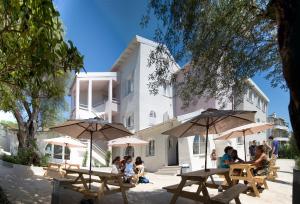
77 98
90 96
109 114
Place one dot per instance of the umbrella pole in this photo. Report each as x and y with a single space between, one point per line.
90 176
206 142
245 146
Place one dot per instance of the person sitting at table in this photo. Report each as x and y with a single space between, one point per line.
116 165
261 162
123 164
139 167
226 158
129 175
235 158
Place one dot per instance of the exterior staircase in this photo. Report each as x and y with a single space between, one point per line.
169 170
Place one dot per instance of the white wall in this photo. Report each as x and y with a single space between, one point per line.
158 103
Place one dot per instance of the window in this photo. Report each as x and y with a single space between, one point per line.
264 107
150 149
250 96
166 117
199 145
167 90
129 121
67 153
57 152
129 84
258 103
48 150
129 151
240 140
152 117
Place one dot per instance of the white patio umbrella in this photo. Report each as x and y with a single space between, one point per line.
126 141
212 121
93 128
65 142
244 130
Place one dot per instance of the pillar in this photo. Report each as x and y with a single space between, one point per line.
77 98
110 101
90 96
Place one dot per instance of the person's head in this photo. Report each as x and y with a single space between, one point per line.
128 159
271 138
125 157
254 142
214 151
116 160
234 153
259 150
228 150
264 142
138 160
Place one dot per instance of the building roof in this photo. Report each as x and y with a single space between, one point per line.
130 48
256 87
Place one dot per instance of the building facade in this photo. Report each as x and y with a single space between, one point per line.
122 95
280 127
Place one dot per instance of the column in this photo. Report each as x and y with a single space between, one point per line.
90 97
77 98
110 101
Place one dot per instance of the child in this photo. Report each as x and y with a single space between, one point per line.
129 171
116 165
213 157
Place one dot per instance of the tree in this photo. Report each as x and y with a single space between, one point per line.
226 42
35 61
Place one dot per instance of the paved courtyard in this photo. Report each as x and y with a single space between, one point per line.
29 188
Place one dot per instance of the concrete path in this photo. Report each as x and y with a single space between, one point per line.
26 188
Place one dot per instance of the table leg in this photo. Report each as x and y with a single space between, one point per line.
253 185
178 191
122 189
83 182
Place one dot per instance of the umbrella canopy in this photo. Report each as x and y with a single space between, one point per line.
212 121
93 128
244 130
126 141
65 141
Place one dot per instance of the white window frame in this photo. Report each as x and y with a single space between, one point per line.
150 148
201 146
129 121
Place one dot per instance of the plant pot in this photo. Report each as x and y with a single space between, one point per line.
296 186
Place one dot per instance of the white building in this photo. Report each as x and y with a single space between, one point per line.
122 95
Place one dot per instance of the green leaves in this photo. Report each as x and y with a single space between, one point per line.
223 42
35 61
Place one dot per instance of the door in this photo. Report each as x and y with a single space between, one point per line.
172 151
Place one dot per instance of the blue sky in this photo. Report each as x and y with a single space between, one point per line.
102 29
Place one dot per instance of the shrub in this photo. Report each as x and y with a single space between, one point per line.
84 161
107 157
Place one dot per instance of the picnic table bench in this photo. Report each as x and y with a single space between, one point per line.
200 178
56 169
273 169
244 172
79 183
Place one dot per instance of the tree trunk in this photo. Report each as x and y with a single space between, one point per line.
288 21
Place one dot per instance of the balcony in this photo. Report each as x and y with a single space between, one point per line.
98 110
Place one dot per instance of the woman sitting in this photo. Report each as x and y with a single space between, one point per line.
261 162
139 167
116 165
129 175
235 158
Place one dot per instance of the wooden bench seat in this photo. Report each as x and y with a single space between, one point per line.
173 188
273 172
262 180
230 194
125 185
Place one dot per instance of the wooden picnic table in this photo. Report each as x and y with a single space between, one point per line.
244 172
200 178
105 178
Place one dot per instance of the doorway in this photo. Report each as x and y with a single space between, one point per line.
172 151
